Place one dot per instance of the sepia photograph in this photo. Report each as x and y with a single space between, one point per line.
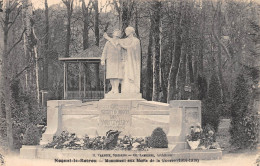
129 82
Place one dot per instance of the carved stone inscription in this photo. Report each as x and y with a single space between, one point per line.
192 116
114 116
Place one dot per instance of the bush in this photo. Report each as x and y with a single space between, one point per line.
210 106
244 123
32 135
25 111
208 136
158 139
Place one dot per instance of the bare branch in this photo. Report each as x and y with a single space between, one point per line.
20 39
17 14
216 36
117 7
14 5
21 72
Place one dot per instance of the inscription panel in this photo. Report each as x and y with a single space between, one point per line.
115 116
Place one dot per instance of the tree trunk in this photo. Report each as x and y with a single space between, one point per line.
126 12
85 12
220 72
183 75
138 36
136 22
149 68
96 22
46 48
172 77
69 5
96 25
201 84
156 7
31 48
6 81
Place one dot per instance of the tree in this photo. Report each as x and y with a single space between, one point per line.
211 112
46 47
96 22
172 77
30 41
156 19
244 126
219 54
86 12
6 77
125 10
149 67
69 6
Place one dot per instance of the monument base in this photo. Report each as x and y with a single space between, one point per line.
133 117
151 155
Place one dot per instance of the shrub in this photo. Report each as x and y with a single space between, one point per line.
158 139
210 106
244 123
32 135
208 136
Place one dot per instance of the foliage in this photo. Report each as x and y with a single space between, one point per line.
244 123
208 137
111 139
205 136
32 135
25 111
71 141
224 110
159 139
195 133
211 105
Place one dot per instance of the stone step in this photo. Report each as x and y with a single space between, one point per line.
163 154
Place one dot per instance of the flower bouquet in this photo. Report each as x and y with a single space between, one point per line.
194 137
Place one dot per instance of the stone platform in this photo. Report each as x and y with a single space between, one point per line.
135 117
164 155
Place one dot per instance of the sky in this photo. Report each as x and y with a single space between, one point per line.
40 3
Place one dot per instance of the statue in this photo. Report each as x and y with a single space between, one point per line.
132 60
112 55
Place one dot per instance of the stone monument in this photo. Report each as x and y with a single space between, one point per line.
112 58
126 112
130 87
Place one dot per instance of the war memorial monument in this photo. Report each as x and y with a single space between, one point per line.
122 111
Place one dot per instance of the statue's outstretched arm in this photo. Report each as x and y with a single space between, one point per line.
109 39
126 43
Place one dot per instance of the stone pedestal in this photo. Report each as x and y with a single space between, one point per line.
135 117
132 96
183 115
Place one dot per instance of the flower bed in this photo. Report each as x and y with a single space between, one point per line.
202 138
111 141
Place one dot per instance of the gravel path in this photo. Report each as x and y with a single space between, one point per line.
230 159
